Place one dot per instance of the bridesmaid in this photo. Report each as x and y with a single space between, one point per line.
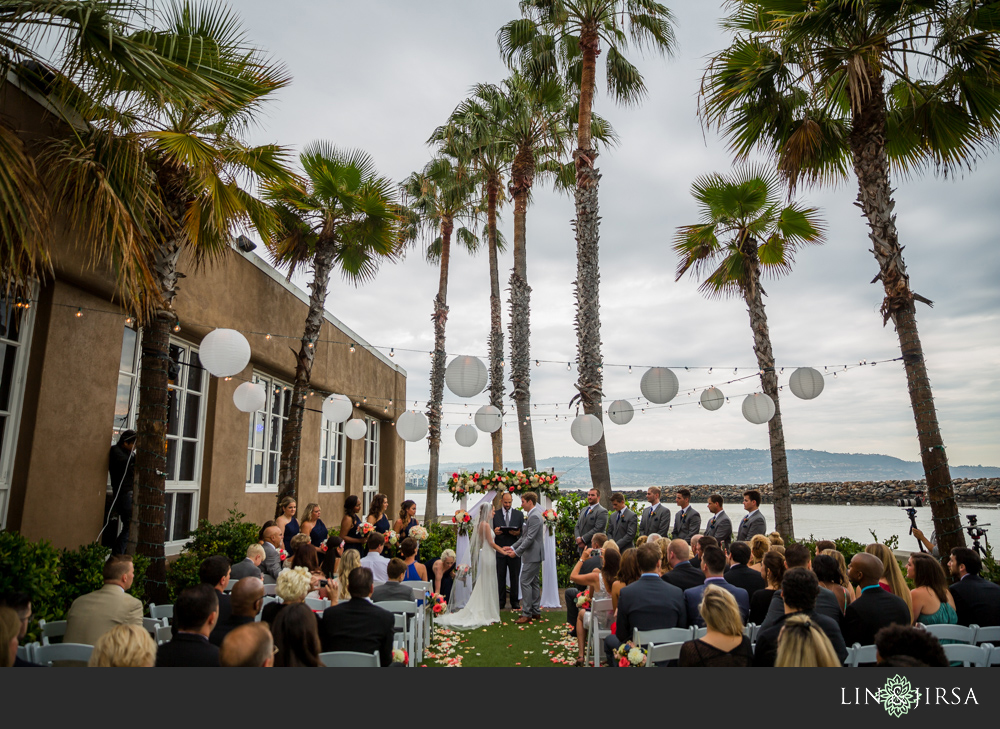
287 523
407 519
376 514
313 526
350 523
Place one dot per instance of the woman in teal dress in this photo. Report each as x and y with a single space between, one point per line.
932 602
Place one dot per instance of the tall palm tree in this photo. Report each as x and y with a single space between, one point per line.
343 215
745 234
566 36
827 87
439 197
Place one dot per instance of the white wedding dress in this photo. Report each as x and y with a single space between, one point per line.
483 607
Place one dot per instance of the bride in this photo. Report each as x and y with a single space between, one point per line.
483 607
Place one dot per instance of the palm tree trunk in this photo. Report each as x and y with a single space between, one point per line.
871 166
588 273
291 435
781 489
496 322
438 363
520 308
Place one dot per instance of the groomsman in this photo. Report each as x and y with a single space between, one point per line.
753 523
622 525
719 526
507 523
655 517
687 523
593 519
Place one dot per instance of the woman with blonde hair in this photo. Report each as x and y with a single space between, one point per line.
775 539
803 644
287 522
10 626
293 586
124 646
664 556
759 546
313 525
724 645
892 578
350 560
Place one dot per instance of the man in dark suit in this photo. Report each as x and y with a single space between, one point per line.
272 559
699 542
687 521
797 555
682 573
593 562
875 608
249 567
719 525
593 519
800 588
246 600
753 523
739 574
655 517
977 601
195 615
507 523
357 624
647 604
214 571
622 524
393 589
713 562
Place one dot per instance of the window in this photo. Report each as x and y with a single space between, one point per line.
370 483
127 400
331 456
266 427
15 334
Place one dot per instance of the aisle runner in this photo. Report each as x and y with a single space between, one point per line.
543 642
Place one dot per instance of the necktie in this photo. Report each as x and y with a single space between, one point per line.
506 518
619 517
587 512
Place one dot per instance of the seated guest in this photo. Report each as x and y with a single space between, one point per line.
20 603
828 573
599 583
772 570
682 573
649 603
293 586
824 544
759 546
331 558
92 615
297 541
775 539
442 571
124 646
272 558
640 540
713 562
874 608
246 600
195 614
249 567
797 555
374 559
10 626
592 563
296 636
903 640
802 644
892 579
977 601
263 528
214 571
931 601
350 561
739 574
394 589
307 557
800 588
358 624
248 646
699 543
724 645
408 552
842 566
628 572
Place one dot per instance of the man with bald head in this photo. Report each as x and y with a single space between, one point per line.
272 543
875 608
682 573
247 599
248 646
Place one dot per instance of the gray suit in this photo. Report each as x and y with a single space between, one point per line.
655 523
751 525
590 523
721 527
622 528
392 591
687 525
531 549
272 563
246 568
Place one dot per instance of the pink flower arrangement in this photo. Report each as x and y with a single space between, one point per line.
366 528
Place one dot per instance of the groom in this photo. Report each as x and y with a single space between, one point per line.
530 549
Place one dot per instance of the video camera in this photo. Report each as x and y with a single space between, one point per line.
977 532
916 500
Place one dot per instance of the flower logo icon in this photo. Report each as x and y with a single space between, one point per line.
897 696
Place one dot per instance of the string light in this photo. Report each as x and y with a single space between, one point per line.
392 352
128 322
538 363
567 366
267 337
352 347
177 327
310 345
79 313
630 369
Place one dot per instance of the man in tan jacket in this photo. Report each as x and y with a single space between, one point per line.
91 616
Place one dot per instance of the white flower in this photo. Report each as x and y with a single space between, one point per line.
635 656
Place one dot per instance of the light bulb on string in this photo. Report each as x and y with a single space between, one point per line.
128 322
630 369
568 367
709 370
79 313
538 363
267 337
177 327
392 352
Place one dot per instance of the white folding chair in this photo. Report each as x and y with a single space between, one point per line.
317 603
697 632
161 612
961 633
595 634
989 634
408 611
270 589
750 631
858 654
163 634
662 652
55 629
27 652
420 589
969 655
993 655
46 654
349 659
152 624
662 635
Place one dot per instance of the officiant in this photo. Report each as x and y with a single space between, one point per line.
507 523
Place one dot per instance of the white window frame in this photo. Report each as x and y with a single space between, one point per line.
13 412
372 442
332 447
266 419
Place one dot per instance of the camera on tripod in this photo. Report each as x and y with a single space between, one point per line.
976 532
915 500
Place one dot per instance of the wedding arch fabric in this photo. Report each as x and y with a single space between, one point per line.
482 607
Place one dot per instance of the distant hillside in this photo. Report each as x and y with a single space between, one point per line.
675 468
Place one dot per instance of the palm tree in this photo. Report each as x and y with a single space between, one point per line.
743 234
438 197
830 86
342 216
566 36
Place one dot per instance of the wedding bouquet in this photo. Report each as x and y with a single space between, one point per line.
366 528
630 656
323 547
282 554
418 533
437 604
551 519
583 600
462 571
391 538
400 656
464 521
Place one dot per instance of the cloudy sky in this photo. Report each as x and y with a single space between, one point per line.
380 75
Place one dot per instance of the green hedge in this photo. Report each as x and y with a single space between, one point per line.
231 538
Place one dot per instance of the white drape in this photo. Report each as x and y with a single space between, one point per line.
462 590
550 578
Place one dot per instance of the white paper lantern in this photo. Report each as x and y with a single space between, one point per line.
466 376
250 397
337 408
466 436
806 383
621 412
712 398
355 429
586 430
411 426
489 419
224 352
659 385
758 408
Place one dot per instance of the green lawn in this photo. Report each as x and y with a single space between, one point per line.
544 642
